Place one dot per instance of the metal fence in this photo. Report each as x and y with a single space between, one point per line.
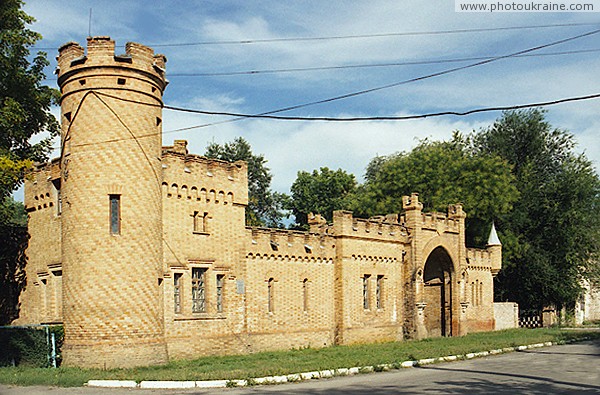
530 319
36 345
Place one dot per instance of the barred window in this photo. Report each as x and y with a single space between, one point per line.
366 290
220 283
177 292
198 290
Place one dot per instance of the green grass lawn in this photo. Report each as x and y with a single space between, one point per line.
295 361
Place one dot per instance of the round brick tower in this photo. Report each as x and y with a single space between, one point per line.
112 247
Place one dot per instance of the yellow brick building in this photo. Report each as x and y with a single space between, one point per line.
142 252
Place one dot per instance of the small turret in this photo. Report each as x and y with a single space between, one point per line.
494 246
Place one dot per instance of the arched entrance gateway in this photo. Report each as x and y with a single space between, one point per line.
437 293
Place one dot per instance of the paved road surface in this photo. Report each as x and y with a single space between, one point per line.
568 369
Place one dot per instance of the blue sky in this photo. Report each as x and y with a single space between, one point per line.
292 146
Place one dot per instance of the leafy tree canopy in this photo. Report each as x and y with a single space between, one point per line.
320 192
443 173
551 237
24 112
24 101
264 206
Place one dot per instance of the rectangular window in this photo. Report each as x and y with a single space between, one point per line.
177 292
115 214
58 202
366 290
379 292
56 184
220 283
198 290
200 222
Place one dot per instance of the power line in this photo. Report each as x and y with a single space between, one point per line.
370 65
357 36
352 94
375 35
390 118
332 119
367 65
421 78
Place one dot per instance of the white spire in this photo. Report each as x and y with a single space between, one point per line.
493 240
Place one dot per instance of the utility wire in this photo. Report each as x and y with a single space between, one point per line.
370 65
267 114
365 91
437 74
358 36
332 119
390 118
366 65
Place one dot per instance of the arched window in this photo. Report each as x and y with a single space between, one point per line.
270 295
305 294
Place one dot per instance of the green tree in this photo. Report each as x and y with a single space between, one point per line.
24 101
265 207
13 229
24 112
551 237
320 192
443 173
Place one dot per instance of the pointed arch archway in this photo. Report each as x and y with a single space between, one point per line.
438 273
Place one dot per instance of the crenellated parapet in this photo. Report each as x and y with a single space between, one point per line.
194 177
89 69
290 244
440 222
484 259
389 227
43 186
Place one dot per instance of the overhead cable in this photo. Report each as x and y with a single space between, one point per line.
370 65
356 36
393 117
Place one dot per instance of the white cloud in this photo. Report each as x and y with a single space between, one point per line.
293 146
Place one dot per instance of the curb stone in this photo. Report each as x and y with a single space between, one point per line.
295 377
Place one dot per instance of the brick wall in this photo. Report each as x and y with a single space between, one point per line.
183 276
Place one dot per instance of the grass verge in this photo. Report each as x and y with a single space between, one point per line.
294 361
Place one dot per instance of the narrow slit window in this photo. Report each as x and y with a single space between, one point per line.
115 214
198 290
305 294
271 295
220 283
177 292
366 290
379 292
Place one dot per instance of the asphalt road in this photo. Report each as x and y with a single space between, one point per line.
567 369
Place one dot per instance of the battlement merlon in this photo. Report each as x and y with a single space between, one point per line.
41 183
289 243
196 173
101 53
382 227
